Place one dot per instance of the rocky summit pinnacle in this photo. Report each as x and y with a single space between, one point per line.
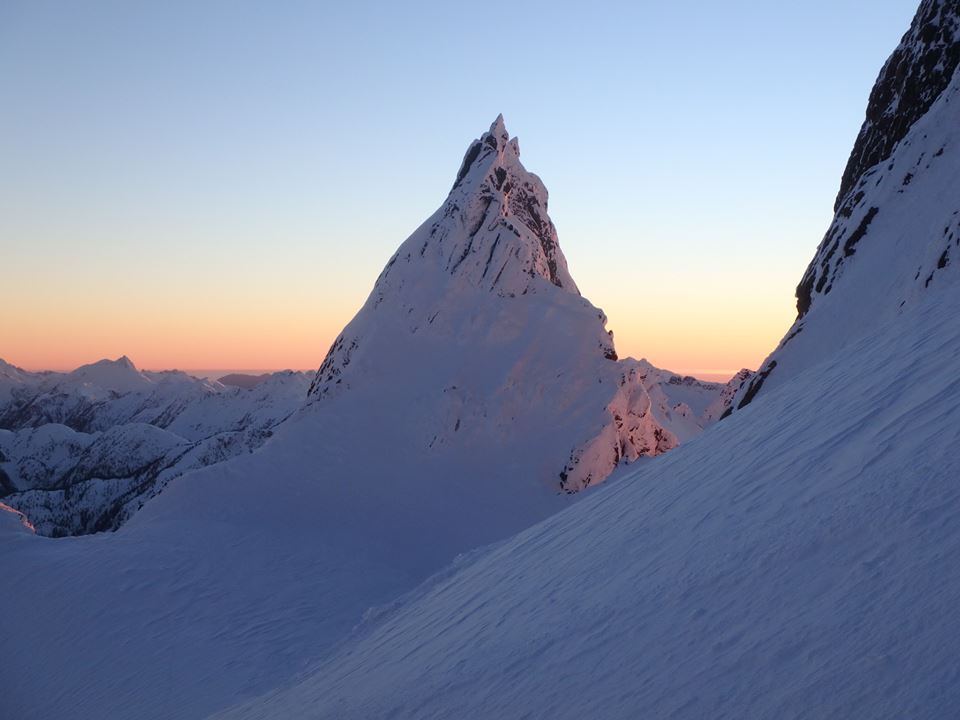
501 209
492 234
477 336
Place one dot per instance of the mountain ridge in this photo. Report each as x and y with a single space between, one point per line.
486 271
894 237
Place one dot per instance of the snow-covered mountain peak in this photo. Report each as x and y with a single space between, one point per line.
491 150
496 211
499 129
476 335
119 375
121 364
473 394
491 241
11 371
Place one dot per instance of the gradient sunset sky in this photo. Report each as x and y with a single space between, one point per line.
218 184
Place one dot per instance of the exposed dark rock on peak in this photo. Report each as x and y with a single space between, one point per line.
472 153
479 301
493 232
895 225
911 80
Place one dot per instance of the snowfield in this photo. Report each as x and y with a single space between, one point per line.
797 560
425 536
471 396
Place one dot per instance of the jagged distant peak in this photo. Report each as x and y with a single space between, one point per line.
913 77
10 367
122 362
119 375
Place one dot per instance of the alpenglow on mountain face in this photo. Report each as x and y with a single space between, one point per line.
895 238
492 235
478 314
798 560
470 398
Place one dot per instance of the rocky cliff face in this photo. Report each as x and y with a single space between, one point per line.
914 76
894 238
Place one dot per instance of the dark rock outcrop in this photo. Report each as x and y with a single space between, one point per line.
911 80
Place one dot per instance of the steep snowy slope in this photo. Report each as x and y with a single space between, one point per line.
896 234
238 575
472 389
484 325
797 560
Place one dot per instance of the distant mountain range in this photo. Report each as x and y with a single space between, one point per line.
475 393
419 532
80 452
475 325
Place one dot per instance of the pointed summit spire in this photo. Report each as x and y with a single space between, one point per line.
492 234
499 130
493 147
493 197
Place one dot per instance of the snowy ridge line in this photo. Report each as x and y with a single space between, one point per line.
440 422
895 239
796 559
486 272
83 451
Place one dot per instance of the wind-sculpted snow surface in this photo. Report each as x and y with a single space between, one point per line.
484 325
85 450
798 560
470 392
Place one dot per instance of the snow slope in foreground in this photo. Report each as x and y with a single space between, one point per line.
474 387
239 575
796 560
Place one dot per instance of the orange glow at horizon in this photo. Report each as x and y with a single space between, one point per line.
233 334
269 310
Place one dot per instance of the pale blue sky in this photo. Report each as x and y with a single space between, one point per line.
175 173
